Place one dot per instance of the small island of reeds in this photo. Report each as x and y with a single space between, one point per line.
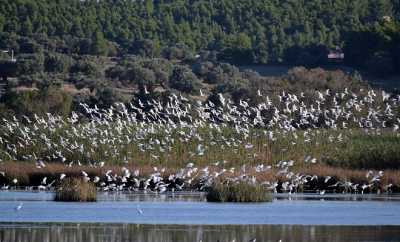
75 190
241 192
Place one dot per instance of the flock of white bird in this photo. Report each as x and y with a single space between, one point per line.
155 132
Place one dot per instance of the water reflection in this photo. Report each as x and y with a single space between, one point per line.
108 196
170 233
152 197
192 196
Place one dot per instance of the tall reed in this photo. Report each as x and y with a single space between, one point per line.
241 192
75 190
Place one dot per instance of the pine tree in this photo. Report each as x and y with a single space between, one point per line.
99 45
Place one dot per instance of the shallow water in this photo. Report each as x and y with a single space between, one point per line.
186 217
190 208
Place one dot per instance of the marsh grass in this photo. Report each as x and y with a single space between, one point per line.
75 190
357 149
348 160
368 152
241 192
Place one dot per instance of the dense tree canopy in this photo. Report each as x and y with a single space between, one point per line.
258 31
376 48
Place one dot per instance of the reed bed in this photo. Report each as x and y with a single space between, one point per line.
240 192
75 190
356 150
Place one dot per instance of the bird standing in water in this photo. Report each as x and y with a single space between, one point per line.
18 207
140 211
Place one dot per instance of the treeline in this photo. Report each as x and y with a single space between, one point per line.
242 31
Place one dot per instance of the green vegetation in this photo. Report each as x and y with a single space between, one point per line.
136 78
40 102
241 192
122 139
242 31
75 190
376 48
99 52
368 152
324 145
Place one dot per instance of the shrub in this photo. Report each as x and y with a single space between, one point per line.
30 64
177 52
47 100
75 190
237 192
184 80
57 63
105 97
86 67
145 48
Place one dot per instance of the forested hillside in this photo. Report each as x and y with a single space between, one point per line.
104 51
256 31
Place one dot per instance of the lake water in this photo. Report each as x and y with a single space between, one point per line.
186 217
193 233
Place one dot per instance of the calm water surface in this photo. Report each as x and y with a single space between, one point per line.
186 217
212 233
